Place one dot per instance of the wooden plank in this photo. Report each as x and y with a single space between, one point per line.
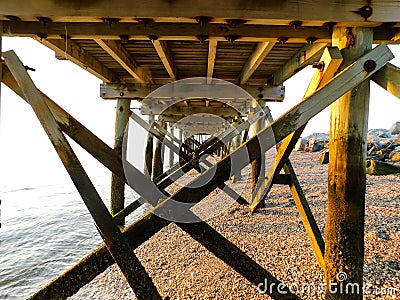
117 199
304 57
344 232
190 110
212 52
165 55
278 12
389 78
70 50
122 56
114 240
261 50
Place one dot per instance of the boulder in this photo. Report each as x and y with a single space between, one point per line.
394 156
380 133
300 145
395 128
375 167
314 145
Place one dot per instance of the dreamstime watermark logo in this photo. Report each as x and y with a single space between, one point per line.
315 289
196 107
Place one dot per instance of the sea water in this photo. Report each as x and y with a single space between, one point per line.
45 230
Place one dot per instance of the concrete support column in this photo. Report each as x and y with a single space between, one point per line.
117 185
344 234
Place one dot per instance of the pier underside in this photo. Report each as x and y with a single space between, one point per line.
249 48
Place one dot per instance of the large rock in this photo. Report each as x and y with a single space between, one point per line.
395 128
313 142
375 167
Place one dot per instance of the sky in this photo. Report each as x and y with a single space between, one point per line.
26 152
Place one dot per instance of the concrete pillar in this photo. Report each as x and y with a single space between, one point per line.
117 185
344 234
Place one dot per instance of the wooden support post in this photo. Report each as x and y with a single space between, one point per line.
236 143
157 160
116 243
344 234
171 153
258 165
148 155
149 223
117 185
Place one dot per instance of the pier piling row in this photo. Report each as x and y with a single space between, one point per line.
345 63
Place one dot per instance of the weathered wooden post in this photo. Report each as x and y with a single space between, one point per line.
171 153
117 185
148 155
258 165
158 159
236 143
344 234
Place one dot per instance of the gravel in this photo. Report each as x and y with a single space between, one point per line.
274 237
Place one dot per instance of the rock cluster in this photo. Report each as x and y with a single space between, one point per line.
383 148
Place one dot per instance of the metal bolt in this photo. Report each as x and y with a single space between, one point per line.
282 40
295 24
369 65
319 65
365 12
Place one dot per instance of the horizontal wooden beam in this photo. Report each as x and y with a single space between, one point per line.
122 56
186 111
269 11
255 59
112 91
389 78
304 57
166 31
73 52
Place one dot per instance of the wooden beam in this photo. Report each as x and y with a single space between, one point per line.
126 90
344 232
255 59
272 12
117 199
122 56
149 224
116 243
212 52
304 57
165 55
330 62
389 79
190 110
167 31
73 52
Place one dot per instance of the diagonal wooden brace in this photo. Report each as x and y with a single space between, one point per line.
149 224
389 79
329 63
116 243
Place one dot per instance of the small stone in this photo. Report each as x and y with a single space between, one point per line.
392 264
383 235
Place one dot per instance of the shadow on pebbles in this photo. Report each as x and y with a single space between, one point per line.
274 238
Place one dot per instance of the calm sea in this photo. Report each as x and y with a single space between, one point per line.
45 230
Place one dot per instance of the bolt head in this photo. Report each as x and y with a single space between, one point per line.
369 65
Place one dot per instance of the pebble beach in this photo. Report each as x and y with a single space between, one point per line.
274 237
